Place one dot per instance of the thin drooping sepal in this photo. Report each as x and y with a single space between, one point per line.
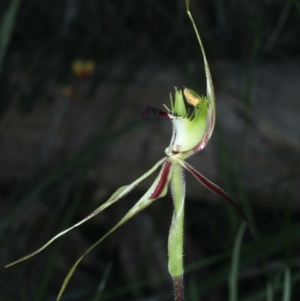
213 187
157 190
116 196
175 242
209 84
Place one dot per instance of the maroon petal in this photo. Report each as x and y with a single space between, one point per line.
215 189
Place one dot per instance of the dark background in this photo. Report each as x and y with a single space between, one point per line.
68 141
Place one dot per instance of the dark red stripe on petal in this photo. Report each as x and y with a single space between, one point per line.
214 188
207 135
202 143
163 180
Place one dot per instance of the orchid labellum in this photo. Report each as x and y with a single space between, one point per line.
193 119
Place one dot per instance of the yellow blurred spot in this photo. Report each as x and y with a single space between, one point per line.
69 93
192 98
83 69
66 91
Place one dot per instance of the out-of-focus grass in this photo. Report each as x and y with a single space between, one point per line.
86 159
6 27
108 31
234 271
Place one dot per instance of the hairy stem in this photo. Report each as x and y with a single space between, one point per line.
175 243
178 288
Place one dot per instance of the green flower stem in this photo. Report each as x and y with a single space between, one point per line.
175 243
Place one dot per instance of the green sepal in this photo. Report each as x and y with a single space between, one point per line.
144 202
116 196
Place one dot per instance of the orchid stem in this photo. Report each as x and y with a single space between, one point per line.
175 244
178 288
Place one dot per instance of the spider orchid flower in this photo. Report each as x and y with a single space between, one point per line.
193 120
